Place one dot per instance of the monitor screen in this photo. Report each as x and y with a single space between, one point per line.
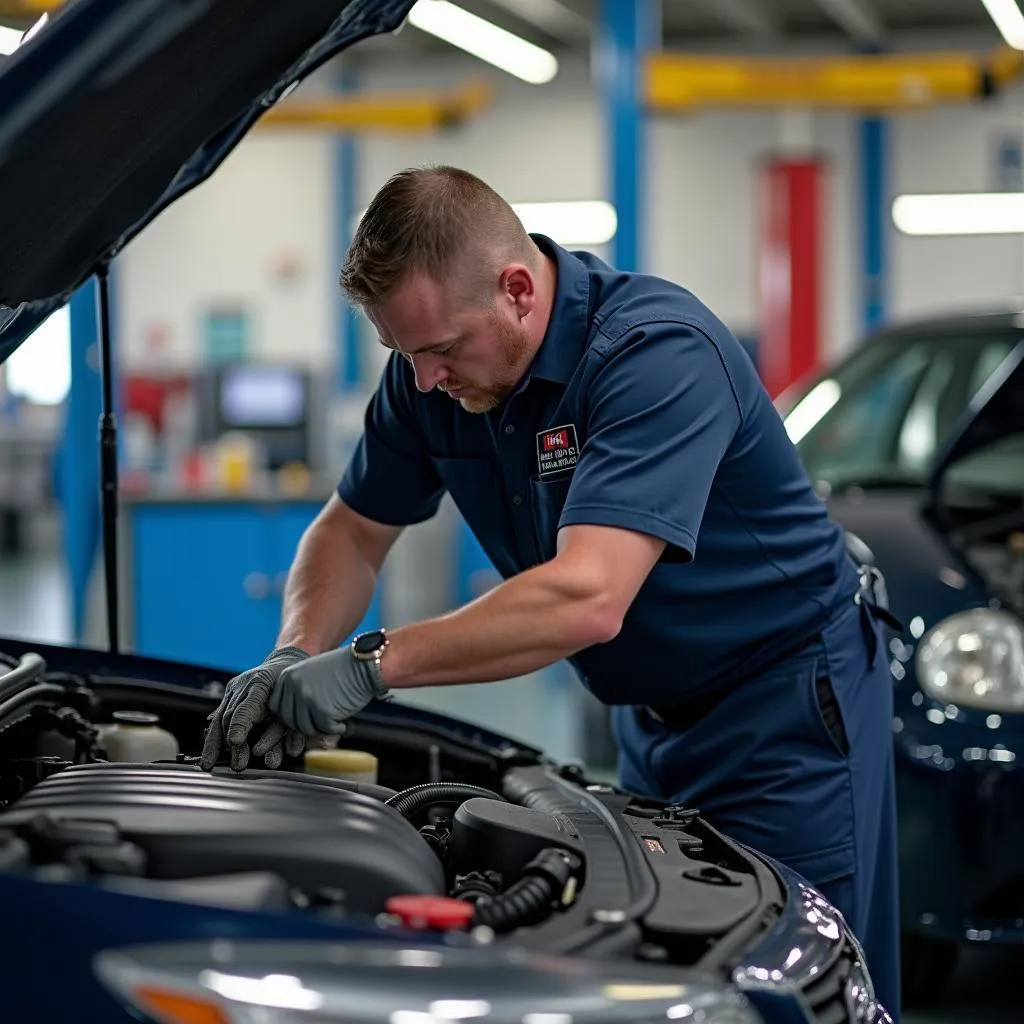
260 397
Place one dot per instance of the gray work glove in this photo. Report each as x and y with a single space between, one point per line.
244 705
319 695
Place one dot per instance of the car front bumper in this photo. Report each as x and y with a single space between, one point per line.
960 792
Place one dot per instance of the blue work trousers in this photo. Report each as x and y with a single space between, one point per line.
797 763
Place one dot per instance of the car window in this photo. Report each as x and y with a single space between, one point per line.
886 411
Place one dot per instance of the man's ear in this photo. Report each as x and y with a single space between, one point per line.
519 287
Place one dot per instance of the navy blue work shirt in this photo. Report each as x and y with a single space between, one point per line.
640 410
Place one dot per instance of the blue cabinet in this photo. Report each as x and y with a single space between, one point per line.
206 578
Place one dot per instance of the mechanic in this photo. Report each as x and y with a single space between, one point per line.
610 444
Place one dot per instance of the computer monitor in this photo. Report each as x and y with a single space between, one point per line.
256 397
269 401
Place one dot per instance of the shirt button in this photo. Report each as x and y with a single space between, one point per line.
509 429
517 499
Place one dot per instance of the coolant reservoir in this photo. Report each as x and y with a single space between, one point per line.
137 736
351 765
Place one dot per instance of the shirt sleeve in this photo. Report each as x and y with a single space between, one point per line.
390 477
661 412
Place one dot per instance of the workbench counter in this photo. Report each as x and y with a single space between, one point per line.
204 573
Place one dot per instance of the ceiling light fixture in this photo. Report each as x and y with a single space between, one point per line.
484 40
570 223
1009 20
968 213
585 222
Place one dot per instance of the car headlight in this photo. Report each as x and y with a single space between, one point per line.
254 982
974 658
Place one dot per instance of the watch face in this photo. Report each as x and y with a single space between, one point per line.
367 643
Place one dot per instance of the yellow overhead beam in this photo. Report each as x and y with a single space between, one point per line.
380 112
682 82
27 10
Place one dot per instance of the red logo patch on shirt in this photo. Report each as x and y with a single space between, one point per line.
557 450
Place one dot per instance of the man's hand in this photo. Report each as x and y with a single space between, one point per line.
318 695
244 704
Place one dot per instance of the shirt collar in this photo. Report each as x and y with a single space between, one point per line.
560 351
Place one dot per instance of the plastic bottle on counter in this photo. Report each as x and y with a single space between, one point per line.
351 765
137 736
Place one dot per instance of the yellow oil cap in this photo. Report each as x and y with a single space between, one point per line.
357 765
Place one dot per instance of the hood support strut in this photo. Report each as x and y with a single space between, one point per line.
108 460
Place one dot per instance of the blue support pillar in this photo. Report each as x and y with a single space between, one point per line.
628 29
874 153
345 203
79 465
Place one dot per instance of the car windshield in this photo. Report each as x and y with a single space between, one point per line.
880 418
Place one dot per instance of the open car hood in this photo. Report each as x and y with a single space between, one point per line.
995 412
116 108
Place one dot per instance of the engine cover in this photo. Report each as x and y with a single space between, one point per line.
190 824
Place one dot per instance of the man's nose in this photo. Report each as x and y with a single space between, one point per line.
429 373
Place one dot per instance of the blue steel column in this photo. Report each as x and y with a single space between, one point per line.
350 377
346 198
79 469
874 154
628 29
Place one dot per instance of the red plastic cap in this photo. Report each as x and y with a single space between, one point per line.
430 911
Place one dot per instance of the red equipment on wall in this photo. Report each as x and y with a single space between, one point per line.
790 270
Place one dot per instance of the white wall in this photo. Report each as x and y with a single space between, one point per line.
953 151
703 211
222 244
273 198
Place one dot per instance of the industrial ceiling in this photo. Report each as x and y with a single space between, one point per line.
747 26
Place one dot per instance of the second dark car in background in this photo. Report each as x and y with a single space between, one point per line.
916 440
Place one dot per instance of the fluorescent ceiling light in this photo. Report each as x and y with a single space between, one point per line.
1009 20
570 223
587 222
969 213
484 40
10 39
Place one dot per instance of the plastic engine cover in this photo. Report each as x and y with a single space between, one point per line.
191 824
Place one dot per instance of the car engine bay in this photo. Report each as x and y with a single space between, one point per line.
457 833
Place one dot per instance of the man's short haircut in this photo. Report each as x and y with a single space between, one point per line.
440 221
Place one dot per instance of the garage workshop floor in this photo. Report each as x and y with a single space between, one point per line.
544 710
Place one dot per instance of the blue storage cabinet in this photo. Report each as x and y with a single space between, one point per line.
206 577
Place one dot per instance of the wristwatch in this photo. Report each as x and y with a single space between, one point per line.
370 646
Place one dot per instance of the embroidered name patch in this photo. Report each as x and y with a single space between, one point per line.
557 449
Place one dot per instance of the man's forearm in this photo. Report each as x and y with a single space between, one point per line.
330 586
524 624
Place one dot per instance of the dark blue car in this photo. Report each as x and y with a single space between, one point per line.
456 875
917 441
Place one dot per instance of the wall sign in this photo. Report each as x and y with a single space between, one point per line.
225 335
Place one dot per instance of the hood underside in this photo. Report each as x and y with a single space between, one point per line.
119 107
997 411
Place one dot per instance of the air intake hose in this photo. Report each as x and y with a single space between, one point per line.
533 898
429 794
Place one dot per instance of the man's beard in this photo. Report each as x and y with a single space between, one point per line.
512 344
